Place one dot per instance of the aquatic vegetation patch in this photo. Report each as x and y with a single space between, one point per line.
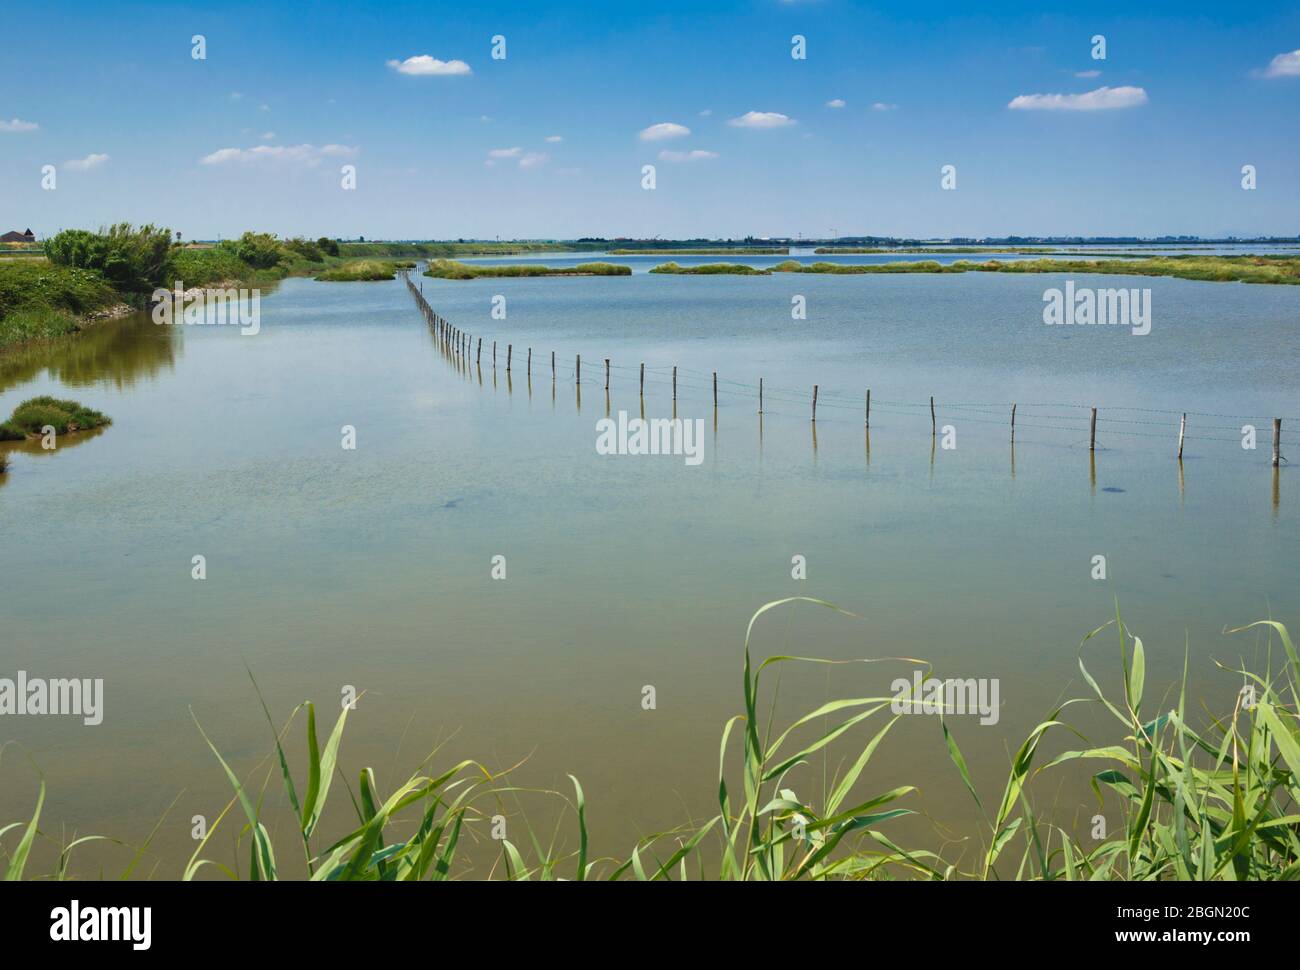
35 414
710 269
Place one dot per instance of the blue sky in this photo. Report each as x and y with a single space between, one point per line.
254 135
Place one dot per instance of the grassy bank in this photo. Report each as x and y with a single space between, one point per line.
83 274
442 250
1214 802
35 414
361 270
39 301
735 251
850 269
1222 269
447 269
710 269
931 250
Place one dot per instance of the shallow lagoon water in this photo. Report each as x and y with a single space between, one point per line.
371 567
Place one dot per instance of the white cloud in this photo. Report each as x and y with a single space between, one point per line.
309 155
1102 99
762 119
835 103
1284 65
533 160
85 164
555 139
17 124
1092 73
422 65
665 129
696 155
268 136
505 152
884 106
707 112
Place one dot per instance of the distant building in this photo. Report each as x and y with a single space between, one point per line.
18 237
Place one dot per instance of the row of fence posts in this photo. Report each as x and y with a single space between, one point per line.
460 343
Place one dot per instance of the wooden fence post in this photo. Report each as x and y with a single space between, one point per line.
1092 433
814 404
1277 442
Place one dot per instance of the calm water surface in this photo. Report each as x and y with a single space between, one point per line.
371 567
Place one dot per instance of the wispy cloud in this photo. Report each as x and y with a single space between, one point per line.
1092 73
534 159
707 112
85 164
835 103
268 136
308 155
505 152
423 65
17 124
663 130
1284 65
555 139
884 106
695 155
1102 99
762 119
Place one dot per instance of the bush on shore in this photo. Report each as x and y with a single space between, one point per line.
132 259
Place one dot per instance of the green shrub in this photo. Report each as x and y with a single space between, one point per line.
133 259
329 247
260 250
308 250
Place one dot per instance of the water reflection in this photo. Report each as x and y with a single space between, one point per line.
114 352
32 447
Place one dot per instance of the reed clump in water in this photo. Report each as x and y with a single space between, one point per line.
710 269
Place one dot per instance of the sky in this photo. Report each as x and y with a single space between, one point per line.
551 141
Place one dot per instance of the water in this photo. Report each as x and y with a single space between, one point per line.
371 567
